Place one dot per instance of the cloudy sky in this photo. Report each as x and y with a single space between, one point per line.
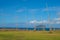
17 11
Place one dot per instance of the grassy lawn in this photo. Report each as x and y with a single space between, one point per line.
29 35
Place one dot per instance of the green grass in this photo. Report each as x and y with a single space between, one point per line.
29 35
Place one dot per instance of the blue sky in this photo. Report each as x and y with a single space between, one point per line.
17 11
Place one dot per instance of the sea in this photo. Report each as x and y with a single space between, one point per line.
37 29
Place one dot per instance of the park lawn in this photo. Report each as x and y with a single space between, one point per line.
29 35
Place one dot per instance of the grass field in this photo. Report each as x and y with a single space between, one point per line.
29 35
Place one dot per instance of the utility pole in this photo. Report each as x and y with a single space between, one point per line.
26 22
3 22
59 17
49 22
26 19
34 26
16 23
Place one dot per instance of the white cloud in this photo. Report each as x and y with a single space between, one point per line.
33 10
44 22
58 22
51 9
59 13
57 9
40 22
29 10
57 19
20 10
23 9
34 21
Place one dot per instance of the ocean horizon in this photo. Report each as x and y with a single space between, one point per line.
47 29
